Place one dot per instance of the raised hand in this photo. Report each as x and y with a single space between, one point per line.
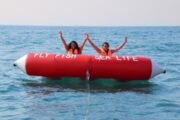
126 38
60 33
86 36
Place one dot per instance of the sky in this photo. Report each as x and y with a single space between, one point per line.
90 12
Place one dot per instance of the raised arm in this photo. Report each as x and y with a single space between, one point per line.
85 39
63 41
120 46
93 45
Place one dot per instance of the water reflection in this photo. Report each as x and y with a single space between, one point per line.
72 97
75 84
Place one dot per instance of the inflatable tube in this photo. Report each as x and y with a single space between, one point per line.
122 68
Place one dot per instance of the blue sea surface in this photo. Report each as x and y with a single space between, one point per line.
24 97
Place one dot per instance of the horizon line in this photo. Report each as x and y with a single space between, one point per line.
41 25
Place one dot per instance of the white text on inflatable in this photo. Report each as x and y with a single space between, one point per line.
46 55
118 58
72 56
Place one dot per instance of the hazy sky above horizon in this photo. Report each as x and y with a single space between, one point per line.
90 12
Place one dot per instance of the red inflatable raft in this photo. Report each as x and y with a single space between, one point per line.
122 68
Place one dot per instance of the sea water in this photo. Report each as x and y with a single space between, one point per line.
24 97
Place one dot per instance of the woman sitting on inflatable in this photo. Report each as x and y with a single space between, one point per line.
105 47
72 47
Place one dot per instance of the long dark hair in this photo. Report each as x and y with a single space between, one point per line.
77 46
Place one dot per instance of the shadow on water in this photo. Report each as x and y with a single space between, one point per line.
98 85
